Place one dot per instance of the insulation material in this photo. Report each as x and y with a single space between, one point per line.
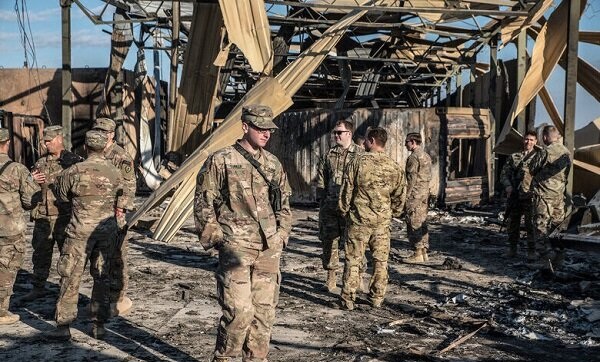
549 46
511 27
273 92
194 111
248 28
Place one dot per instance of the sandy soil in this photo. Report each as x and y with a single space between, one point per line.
528 316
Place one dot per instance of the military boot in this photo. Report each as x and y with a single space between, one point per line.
121 307
8 318
417 257
35 293
425 256
98 330
331 280
61 333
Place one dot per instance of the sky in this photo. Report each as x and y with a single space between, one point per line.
91 48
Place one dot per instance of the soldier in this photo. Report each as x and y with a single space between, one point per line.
51 216
241 208
119 279
94 187
18 191
518 196
372 192
418 176
332 226
548 170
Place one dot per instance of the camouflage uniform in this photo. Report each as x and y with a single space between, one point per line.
233 213
18 191
418 176
520 199
372 192
51 216
119 275
548 171
93 186
332 226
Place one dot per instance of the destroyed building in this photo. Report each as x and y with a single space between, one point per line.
409 66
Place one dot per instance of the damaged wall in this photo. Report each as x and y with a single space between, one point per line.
457 139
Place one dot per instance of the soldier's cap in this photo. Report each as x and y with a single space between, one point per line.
4 135
96 140
259 116
105 124
51 132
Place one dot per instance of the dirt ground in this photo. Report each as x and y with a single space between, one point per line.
518 313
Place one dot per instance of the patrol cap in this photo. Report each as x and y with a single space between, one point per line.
51 132
4 135
96 140
104 124
259 116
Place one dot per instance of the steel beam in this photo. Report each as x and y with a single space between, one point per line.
67 91
521 70
174 64
571 81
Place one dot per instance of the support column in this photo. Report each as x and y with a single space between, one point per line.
448 90
459 89
67 91
174 66
157 106
521 70
571 81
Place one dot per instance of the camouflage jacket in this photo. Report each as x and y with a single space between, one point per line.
330 173
418 175
512 174
121 159
18 191
373 190
231 203
94 187
549 170
51 167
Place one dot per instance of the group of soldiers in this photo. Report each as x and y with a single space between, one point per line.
241 209
79 206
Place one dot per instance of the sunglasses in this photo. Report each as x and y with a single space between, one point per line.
339 133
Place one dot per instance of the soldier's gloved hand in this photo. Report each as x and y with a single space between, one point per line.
38 177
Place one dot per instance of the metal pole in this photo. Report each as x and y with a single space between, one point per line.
571 81
459 89
67 91
173 78
157 109
448 90
521 70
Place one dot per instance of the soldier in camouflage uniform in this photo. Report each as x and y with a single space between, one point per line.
18 191
119 278
234 214
94 188
548 170
332 226
418 176
518 195
372 192
51 216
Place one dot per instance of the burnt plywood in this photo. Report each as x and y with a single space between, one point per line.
304 137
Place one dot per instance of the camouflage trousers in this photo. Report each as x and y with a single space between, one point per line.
332 233
74 255
248 283
12 249
548 213
518 209
377 237
47 231
119 270
416 223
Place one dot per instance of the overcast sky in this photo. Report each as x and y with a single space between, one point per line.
91 47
